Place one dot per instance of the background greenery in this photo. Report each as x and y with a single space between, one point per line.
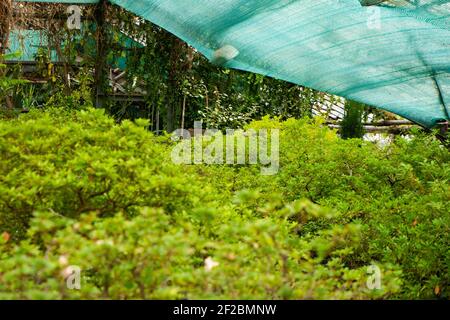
171 75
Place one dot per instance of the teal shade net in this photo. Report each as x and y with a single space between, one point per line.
394 55
27 43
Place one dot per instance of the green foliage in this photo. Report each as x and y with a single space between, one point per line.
80 97
399 194
77 163
8 84
351 126
152 256
77 189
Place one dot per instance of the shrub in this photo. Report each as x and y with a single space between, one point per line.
84 162
152 256
398 193
79 189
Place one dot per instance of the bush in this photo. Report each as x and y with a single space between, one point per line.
77 189
398 193
83 162
151 256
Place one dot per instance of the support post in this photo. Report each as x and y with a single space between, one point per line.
443 132
5 26
100 63
5 21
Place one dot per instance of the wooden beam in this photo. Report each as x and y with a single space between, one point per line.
381 129
382 123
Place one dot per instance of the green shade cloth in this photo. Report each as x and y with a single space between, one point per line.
394 55
28 43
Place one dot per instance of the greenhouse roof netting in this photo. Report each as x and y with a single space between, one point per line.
29 42
394 55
